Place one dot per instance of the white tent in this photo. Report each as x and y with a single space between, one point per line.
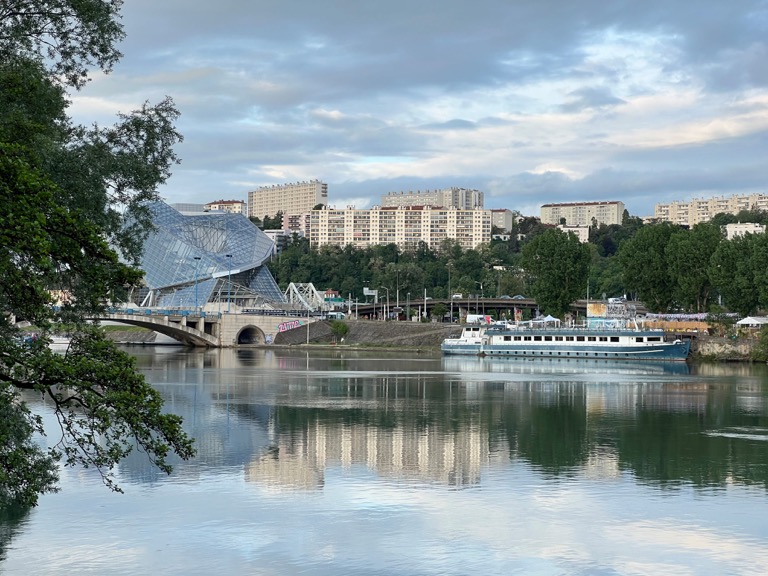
547 320
753 321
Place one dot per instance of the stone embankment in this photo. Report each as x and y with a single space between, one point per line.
371 333
707 347
425 336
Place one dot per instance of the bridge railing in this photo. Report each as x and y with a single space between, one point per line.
163 312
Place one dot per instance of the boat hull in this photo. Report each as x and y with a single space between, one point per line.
641 345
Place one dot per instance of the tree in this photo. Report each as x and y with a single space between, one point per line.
688 254
558 265
339 329
739 271
645 267
66 193
439 311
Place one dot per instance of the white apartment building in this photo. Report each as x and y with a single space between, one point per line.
703 209
296 223
233 206
741 228
296 198
404 226
582 232
503 218
464 198
582 213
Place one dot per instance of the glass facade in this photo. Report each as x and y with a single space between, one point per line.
190 260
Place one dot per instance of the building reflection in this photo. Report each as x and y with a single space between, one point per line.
428 454
284 418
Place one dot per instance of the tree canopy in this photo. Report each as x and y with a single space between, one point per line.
558 264
65 192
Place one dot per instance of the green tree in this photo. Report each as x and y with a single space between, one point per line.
558 266
688 254
645 267
439 311
739 271
339 329
65 193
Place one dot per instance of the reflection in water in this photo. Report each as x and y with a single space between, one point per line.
342 462
286 417
12 520
560 366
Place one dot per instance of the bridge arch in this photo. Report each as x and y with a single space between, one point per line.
250 334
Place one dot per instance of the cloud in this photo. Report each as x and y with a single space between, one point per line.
532 102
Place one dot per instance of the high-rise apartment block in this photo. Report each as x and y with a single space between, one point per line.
703 209
232 206
582 213
503 218
404 226
296 198
447 198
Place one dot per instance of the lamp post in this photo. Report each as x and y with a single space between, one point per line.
408 307
197 265
397 293
386 311
477 304
229 279
450 293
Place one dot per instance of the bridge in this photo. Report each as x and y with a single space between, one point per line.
479 305
211 329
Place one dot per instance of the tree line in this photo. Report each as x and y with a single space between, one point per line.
669 268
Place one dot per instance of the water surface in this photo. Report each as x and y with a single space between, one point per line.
340 462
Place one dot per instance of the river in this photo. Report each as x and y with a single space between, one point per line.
335 462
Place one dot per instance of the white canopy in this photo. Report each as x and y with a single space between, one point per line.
547 320
753 321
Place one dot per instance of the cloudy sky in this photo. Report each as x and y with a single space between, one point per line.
530 101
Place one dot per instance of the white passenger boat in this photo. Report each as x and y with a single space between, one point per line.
545 341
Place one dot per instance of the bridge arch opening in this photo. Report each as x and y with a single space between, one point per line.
250 335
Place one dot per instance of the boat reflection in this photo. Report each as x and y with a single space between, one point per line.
560 366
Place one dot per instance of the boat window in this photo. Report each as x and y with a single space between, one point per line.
527 338
547 338
579 338
569 338
558 338
603 338
614 338
639 339
517 338
591 339
654 339
537 338
507 338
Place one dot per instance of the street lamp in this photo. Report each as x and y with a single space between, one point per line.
397 293
408 308
450 293
477 305
229 279
197 265
386 313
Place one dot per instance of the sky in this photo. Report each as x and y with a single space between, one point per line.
530 101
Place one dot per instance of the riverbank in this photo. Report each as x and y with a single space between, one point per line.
418 336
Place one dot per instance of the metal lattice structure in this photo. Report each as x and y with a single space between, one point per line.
304 296
194 260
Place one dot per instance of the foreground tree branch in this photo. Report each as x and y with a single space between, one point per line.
65 194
